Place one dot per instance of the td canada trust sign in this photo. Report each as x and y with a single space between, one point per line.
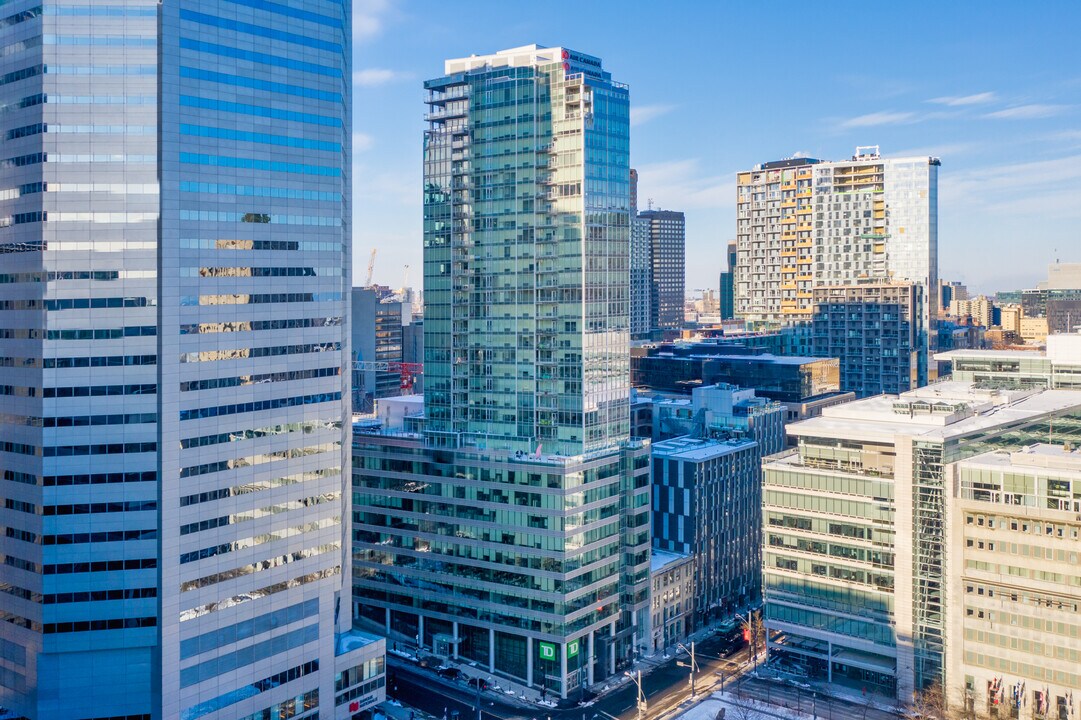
549 651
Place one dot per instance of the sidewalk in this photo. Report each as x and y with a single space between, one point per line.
834 690
508 690
531 698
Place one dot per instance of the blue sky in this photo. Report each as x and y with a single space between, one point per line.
992 88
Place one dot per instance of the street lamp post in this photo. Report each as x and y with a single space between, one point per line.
693 665
641 696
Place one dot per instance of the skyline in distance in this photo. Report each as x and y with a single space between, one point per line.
989 94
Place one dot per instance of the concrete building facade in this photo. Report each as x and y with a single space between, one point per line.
1013 540
856 561
1058 367
667 273
979 310
671 599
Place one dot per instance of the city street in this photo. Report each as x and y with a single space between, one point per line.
666 687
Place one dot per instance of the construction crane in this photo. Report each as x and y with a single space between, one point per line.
408 372
371 267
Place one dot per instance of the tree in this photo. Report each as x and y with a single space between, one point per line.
930 702
744 711
754 632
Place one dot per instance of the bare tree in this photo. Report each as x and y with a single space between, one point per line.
744 711
754 632
930 702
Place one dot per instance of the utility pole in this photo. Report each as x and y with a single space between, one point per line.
693 665
641 696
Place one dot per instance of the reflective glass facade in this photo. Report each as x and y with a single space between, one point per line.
513 530
175 243
489 556
526 252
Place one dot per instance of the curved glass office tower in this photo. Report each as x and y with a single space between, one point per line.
173 311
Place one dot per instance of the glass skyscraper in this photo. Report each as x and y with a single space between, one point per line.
526 252
175 249
510 525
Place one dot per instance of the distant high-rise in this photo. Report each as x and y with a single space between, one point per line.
728 284
522 540
640 266
979 310
804 223
176 213
377 332
871 328
667 247
1064 298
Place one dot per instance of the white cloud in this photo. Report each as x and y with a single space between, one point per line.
362 141
945 150
680 185
1027 112
371 77
641 114
960 100
879 118
801 154
368 17
1042 188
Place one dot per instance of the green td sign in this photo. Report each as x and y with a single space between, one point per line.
548 651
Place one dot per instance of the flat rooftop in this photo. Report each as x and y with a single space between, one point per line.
1045 456
698 449
705 354
660 559
971 409
352 640
951 354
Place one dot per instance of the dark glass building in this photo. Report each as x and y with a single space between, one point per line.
680 368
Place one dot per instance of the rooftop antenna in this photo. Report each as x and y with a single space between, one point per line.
650 202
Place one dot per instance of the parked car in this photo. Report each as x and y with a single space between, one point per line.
450 673
478 683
